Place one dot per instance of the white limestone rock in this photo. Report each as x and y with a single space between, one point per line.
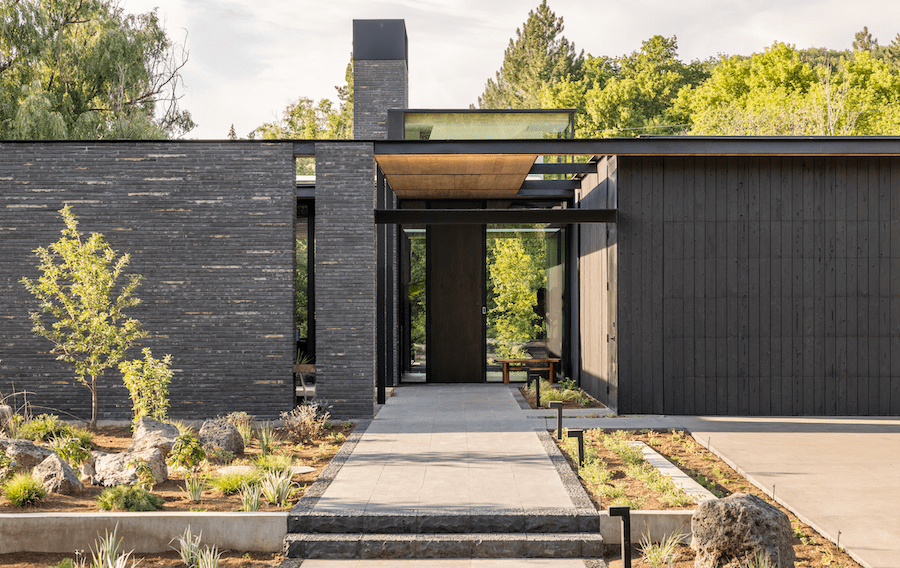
57 476
150 433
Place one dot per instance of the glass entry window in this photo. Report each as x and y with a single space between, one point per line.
524 293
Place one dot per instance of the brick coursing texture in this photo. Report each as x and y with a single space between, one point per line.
379 85
210 226
345 277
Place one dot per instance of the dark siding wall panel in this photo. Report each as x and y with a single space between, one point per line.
597 281
778 280
210 226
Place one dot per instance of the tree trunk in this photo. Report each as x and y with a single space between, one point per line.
93 402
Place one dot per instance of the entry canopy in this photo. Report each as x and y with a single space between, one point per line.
470 175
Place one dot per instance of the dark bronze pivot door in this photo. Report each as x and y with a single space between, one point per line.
455 303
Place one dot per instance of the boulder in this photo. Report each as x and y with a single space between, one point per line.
6 413
24 453
57 476
220 433
114 469
738 529
150 433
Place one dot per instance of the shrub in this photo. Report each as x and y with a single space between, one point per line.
44 428
23 490
128 498
5 466
231 483
194 486
187 452
148 385
305 423
73 449
221 455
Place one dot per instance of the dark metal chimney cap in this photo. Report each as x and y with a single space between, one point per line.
380 40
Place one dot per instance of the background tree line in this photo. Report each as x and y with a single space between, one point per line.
779 91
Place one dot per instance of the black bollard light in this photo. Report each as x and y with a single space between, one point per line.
537 392
578 433
557 404
625 513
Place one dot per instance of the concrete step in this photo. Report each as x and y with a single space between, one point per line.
443 521
479 545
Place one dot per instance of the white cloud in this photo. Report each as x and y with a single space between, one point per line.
249 59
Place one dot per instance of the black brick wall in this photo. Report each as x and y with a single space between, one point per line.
345 277
378 86
209 225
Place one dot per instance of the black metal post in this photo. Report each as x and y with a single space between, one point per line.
537 391
557 404
625 513
578 433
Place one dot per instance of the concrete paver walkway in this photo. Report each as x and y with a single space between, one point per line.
837 474
448 447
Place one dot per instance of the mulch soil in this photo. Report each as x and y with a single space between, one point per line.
811 549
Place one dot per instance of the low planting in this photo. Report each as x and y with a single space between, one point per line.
23 490
129 498
566 391
195 482
615 474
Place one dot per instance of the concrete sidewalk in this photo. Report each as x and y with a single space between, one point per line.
448 447
836 474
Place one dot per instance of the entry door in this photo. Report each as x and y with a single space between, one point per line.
455 316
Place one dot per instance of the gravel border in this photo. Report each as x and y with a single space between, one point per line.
569 480
317 489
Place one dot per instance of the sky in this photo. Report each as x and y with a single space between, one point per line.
247 60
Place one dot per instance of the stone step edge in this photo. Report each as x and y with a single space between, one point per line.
442 521
473 545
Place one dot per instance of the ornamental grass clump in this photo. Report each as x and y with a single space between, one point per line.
276 487
244 423
250 497
22 490
232 482
128 498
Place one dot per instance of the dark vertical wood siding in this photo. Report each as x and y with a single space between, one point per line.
759 285
597 254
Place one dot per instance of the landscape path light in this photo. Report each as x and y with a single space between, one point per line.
558 405
625 513
578 433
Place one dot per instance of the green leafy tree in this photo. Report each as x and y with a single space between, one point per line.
148 385
538 56
82 305
778 92
84 69
630 95
516 269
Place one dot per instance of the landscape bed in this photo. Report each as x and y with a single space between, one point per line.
811 549
117 439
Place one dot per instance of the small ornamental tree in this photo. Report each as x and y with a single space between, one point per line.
148 384
80 312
